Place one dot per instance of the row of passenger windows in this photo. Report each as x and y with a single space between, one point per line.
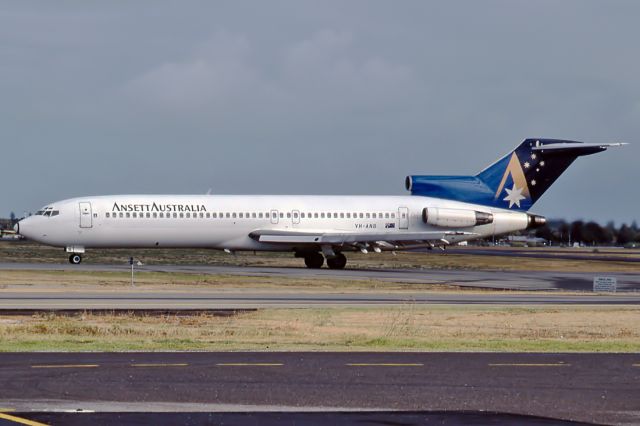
254 215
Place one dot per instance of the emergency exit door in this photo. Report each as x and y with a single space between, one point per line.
403 216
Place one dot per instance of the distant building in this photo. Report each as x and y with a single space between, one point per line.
524 240
5 223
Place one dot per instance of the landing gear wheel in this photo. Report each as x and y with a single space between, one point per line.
313 260
339 261
75 259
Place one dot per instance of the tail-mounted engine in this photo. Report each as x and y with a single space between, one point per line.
455 218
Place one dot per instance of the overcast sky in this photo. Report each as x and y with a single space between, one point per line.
305 97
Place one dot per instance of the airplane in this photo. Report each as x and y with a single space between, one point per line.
440 211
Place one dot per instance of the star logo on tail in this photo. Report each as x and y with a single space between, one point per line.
514 196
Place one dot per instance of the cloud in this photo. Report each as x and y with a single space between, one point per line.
222 76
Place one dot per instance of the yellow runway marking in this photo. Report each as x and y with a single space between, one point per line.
6 410
557 364
161 365
66 366
21 420
249 364
383 364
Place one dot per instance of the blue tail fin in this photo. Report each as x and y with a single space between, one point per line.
516 181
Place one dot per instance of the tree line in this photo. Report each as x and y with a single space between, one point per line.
588 233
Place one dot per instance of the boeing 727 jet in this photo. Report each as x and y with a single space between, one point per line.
440 210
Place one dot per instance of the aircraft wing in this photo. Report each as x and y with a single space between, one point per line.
353 238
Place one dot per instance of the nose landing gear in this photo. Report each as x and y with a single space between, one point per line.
75 259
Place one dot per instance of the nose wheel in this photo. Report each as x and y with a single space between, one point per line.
75 259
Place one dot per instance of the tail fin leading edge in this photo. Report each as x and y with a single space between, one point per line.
516 181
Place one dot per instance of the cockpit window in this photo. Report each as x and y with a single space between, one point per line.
39 212
47 213
55 213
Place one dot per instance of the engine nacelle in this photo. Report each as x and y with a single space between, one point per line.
455 218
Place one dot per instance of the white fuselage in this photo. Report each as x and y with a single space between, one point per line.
226 221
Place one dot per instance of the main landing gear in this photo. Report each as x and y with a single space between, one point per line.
315 260
75 259
339 261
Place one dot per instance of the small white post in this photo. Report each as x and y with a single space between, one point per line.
131 263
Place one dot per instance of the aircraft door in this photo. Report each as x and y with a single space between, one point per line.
85 215
295 218
403 217
274 216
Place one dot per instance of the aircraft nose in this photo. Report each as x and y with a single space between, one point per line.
16 228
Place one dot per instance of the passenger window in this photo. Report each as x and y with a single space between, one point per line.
341 215
155 215
301 215
393 215
181 215
234 215
288 215
260 215
322 215
373 215
201 215
121 215
348 215
254 215
106 215
295 215
281 215
386 215
127 215
214 215
240 215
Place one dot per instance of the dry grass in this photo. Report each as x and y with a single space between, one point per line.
434 328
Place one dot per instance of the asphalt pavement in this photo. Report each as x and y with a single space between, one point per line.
512 280
597 388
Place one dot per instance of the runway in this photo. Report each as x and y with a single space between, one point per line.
212 299
601 388
502 280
